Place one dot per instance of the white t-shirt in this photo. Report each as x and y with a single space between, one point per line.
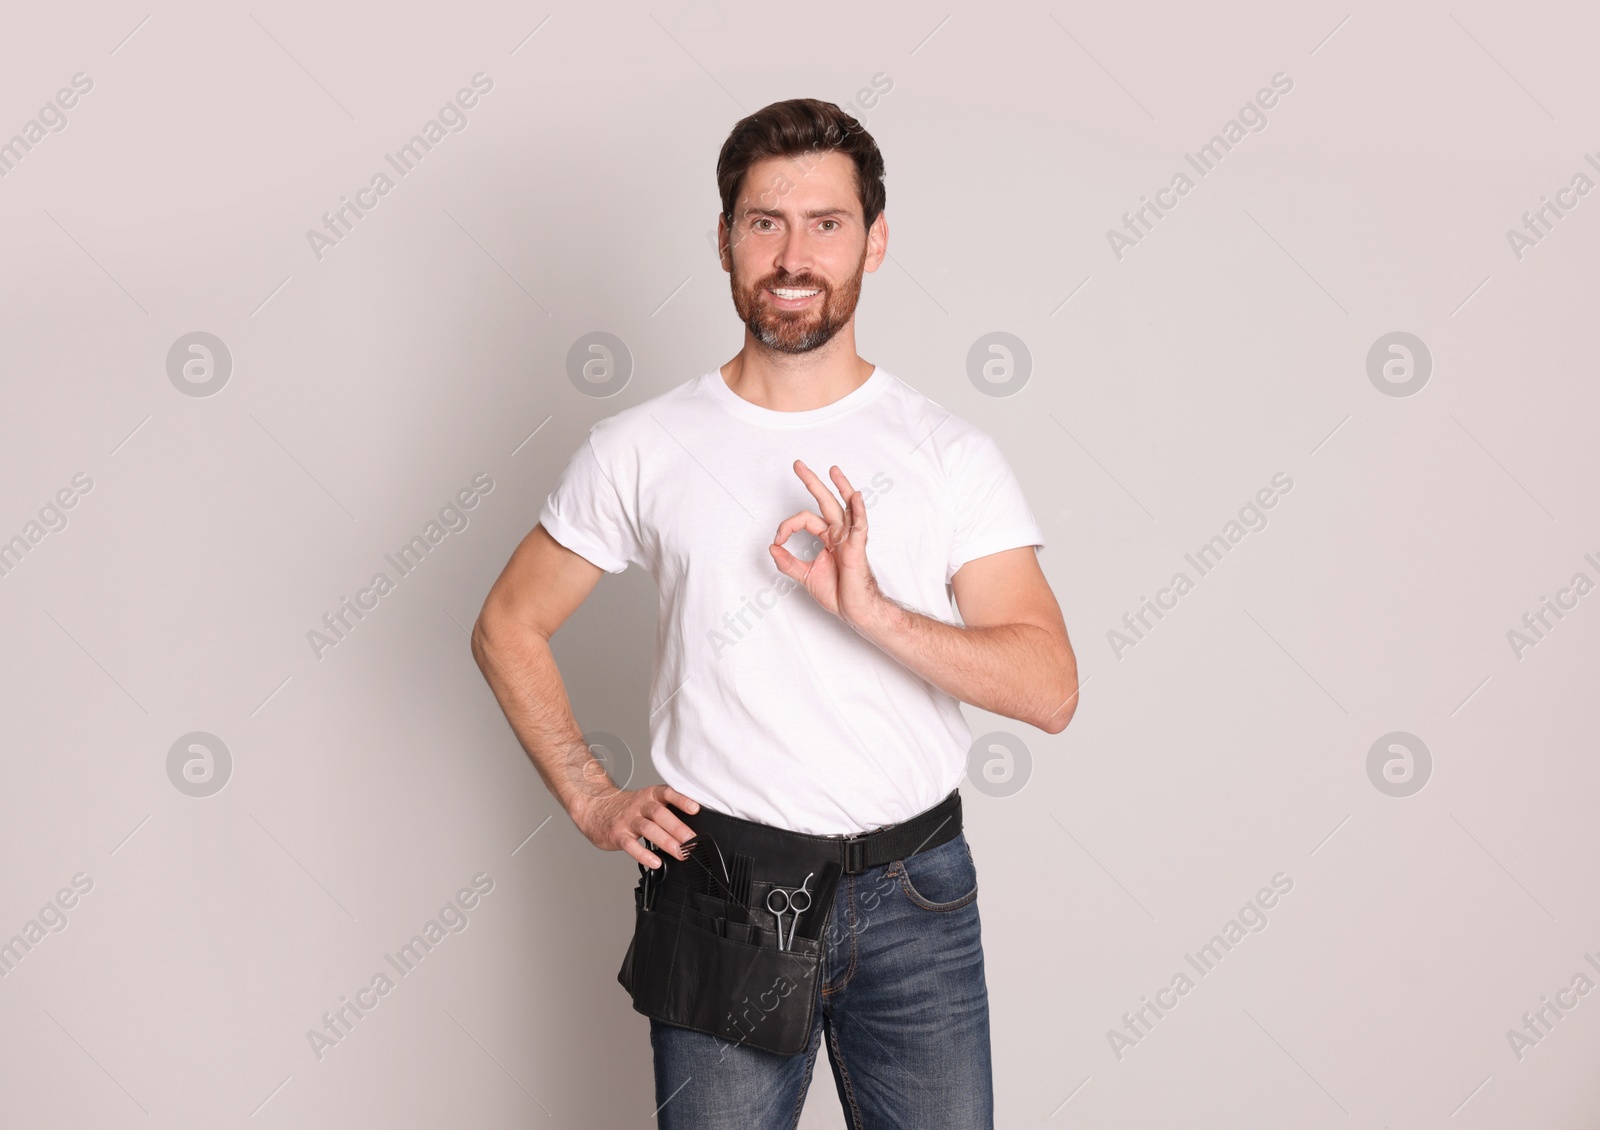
762 703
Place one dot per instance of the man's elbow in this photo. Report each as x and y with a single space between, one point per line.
484 636
1057 720
495 636
1063 702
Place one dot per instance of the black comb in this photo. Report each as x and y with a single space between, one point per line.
709 875
741 869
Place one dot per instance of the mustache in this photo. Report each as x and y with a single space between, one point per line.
792 284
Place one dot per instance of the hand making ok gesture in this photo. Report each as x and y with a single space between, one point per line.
838 578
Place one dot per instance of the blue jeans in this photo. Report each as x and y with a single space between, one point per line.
901 1000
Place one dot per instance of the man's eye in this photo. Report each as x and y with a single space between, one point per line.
835 223
760 222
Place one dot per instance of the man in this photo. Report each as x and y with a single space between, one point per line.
831 712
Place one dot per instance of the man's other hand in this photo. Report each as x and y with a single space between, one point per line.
615 821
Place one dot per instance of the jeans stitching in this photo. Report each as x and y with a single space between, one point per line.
805 1078
937 907
850 890
898 870
844 1075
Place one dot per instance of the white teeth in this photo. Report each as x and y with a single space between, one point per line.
795 293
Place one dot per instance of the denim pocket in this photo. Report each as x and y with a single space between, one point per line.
941 878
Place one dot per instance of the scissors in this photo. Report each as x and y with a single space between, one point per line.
791 904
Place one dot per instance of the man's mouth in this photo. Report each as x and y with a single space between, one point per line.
793 298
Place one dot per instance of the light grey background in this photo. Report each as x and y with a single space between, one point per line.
1230 744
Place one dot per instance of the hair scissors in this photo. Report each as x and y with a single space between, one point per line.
792 903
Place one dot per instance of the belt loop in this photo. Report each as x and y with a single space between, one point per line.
855 856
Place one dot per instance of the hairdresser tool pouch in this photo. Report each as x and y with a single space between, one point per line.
683 970
706 950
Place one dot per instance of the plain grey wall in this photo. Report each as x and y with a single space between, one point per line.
1339 703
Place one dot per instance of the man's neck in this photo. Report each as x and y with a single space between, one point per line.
788 382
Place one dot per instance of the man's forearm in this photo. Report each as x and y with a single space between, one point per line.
1016 670
521 670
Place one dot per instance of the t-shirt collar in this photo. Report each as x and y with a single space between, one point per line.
719 391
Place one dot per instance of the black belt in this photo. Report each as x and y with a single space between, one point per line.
854 852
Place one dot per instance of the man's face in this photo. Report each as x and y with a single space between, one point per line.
798 248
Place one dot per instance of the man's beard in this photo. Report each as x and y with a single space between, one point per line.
797 331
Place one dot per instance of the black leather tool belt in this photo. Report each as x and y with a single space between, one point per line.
707 952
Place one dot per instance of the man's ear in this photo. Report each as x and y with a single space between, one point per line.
877 242
724 245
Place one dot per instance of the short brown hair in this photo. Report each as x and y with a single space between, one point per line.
788 129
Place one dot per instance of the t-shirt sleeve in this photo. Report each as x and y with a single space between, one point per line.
587 514
991 511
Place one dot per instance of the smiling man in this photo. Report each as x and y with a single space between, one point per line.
813 738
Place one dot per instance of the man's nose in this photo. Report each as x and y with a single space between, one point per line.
795 255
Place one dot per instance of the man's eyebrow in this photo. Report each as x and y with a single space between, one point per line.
811 214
